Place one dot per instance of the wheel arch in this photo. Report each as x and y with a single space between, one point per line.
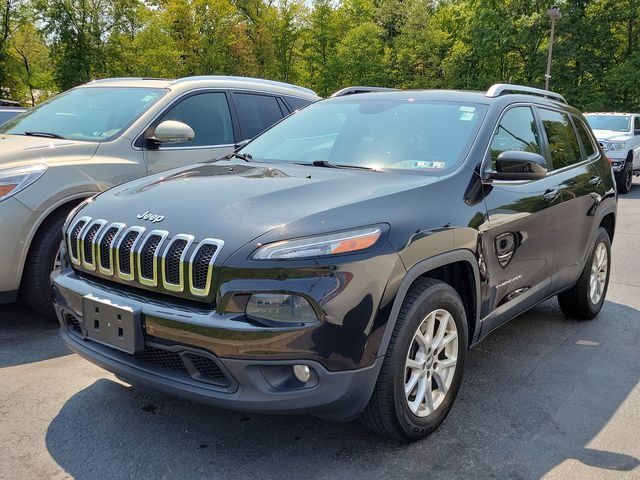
65 204
458 268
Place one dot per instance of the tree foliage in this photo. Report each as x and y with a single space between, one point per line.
48 46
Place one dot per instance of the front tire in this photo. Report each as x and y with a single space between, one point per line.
422 369
43 256
626 177
585 299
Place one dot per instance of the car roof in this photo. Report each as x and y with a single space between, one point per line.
211 81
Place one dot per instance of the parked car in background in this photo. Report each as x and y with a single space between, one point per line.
7 113
104 133
9 109
619 136
341 263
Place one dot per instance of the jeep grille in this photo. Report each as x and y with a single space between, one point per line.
153 260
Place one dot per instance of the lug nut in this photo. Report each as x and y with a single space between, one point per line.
302 373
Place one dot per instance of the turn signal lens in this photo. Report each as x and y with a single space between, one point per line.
332 244
5 189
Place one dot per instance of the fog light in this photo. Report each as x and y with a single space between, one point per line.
302 373
279 307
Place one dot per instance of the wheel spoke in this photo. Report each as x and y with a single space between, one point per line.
422 389
447 363
440 381
448 339
411 384
428 397
414 364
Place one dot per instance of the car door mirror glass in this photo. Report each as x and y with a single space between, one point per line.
171 131
517 165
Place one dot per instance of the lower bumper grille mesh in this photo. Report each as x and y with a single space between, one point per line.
198 367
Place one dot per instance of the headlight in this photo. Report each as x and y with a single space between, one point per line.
12 180
343 242
614 146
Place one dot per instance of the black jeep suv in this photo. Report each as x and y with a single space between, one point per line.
342 263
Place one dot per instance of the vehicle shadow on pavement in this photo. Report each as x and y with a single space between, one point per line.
26 337
538 392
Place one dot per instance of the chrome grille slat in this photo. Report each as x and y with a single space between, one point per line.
73 239
148 255
125 252
88 245
173 260
105 248
201 266
154 260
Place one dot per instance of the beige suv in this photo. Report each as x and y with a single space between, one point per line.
93 137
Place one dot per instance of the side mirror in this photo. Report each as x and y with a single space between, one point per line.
171 131
516 165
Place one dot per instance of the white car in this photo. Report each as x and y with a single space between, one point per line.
619 136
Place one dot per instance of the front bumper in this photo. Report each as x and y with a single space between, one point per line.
255 383
16 223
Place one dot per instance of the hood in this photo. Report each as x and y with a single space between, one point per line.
240 202
19 150
611 135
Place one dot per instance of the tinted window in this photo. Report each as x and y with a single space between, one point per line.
208 115
257 113
517 131
424 136
637 123
86 113
297 103
585 138
563 143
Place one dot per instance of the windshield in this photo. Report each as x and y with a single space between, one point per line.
617 123
93 114
405 134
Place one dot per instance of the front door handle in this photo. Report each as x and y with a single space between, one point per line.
550 195
595 181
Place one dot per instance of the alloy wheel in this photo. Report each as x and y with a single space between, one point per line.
431 363
599 271
57 263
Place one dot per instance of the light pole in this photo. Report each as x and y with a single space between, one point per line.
554 14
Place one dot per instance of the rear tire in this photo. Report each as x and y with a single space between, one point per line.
35 289
431 308
582 302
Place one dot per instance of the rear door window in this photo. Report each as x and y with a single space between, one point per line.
586 139
563 143
256 113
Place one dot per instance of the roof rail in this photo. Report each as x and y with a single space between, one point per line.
259 81
500 89
353 90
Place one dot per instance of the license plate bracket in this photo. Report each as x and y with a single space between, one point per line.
117 326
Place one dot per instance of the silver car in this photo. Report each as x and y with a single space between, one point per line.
106 132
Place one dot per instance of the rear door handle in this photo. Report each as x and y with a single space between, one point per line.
595 181
551 195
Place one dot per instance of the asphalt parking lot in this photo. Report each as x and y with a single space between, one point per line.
543 397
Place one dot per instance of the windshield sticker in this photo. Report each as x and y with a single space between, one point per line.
148 98
467 109
432 165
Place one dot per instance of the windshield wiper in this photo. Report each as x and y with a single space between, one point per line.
327 164
242 156
43 134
